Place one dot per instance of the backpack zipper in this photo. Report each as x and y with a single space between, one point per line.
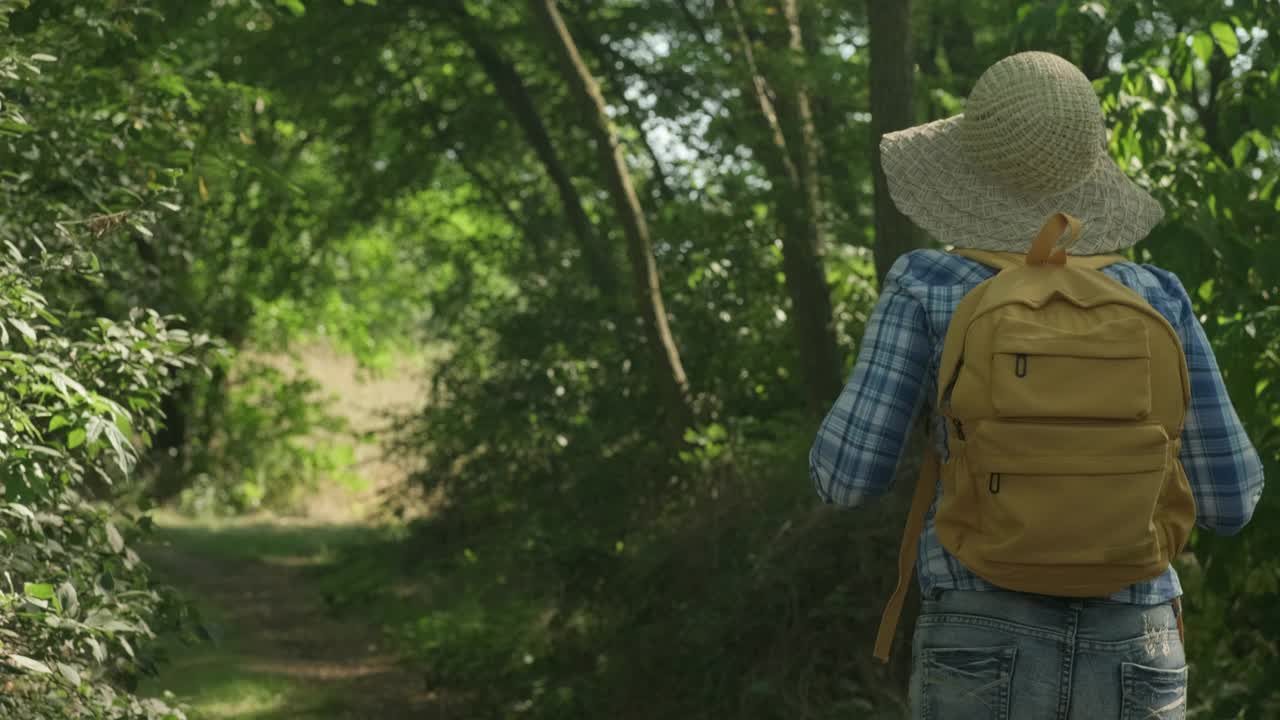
946 401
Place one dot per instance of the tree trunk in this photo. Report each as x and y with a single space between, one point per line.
608 58
797 200
810 187
671 379
168 453
519 101
891 100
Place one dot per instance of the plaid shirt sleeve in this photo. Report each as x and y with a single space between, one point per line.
860 441
1221 463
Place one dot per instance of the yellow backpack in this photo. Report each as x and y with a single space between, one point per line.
1064 393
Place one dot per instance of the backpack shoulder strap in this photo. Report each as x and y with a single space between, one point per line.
992 258
926 489
1095 262
953 343
1046 249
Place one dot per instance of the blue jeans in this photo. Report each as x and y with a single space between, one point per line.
982 655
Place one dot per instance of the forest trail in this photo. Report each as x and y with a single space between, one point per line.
279 653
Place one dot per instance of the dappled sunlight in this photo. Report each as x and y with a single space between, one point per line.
219 690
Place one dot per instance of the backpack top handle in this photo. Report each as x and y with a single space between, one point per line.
1044 249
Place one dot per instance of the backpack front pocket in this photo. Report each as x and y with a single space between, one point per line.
1052 494
1103 372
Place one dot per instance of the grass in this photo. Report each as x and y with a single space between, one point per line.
261 537
239 675
264 665
220 680
216 685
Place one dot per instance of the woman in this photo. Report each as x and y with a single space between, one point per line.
1032 143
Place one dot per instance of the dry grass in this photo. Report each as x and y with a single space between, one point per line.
371 403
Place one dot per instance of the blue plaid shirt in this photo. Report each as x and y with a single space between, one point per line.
861 440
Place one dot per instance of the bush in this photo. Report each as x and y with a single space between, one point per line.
276 436
80 392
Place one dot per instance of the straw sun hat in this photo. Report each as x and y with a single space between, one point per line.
1032 142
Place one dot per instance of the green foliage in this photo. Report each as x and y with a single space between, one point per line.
472 644
278 436
79 394
205 198
81 389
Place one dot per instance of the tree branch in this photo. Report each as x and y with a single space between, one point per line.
670 376
608 55
760 90
809 184
511 88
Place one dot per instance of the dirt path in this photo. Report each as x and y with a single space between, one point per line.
283 654
280 653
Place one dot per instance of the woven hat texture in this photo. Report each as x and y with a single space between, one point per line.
1031 142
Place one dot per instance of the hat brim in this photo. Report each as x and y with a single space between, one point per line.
933 184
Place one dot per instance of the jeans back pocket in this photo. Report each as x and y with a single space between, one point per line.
1153 693
966 683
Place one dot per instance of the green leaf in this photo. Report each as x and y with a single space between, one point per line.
114 538
119 443
75 438
64 383
1240 150
94 428
43 591
21 325
57 422
70 599
1226 37
99 650
103 619
294 6
69 672
1095 8
1202 46
23 662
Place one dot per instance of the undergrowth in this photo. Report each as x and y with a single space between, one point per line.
737 597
